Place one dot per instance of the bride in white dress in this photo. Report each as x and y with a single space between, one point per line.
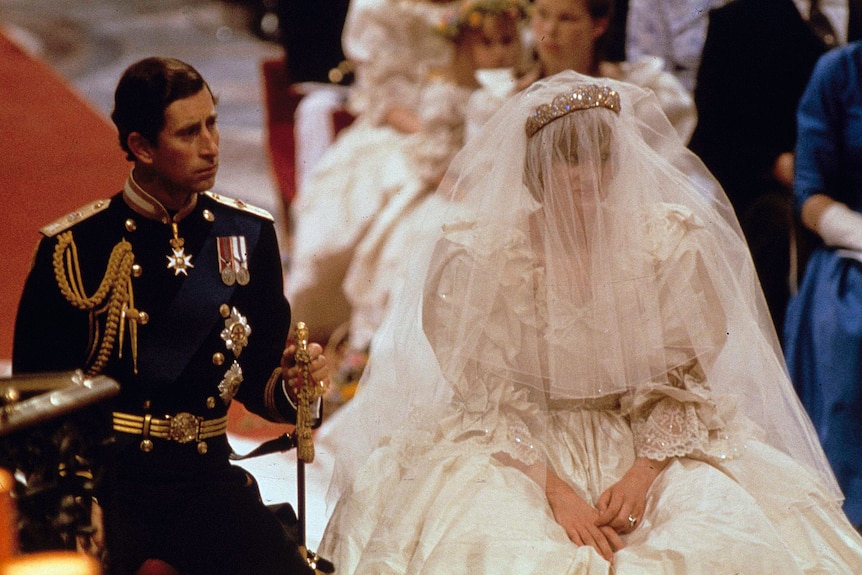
580 376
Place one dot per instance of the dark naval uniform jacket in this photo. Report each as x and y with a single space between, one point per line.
186 311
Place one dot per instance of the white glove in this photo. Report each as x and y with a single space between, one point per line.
839 226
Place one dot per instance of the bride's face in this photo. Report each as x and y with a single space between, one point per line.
583 179
569 168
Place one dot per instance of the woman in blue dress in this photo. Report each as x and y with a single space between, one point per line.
823 330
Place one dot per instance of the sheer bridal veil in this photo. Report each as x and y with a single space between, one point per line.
535 272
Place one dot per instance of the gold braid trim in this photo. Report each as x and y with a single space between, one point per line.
116 286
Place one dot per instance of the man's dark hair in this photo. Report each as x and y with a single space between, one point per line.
145 89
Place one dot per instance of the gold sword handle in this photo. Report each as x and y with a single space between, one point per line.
307 392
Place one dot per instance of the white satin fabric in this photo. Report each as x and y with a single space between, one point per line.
583 297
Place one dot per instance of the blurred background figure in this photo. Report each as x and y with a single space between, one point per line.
488 52
395 48
672 30
416 68
763 50
575 35
823 330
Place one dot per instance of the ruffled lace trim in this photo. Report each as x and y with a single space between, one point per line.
672 429
679 418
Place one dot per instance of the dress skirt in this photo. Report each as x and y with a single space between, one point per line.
423 504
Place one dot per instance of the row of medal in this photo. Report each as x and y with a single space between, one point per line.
232 259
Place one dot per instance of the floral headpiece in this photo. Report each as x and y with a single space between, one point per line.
582 97
470 14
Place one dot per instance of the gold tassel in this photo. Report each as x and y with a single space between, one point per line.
112 297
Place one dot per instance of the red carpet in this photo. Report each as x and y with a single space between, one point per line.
56 154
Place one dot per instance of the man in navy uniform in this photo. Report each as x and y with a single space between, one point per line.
176 293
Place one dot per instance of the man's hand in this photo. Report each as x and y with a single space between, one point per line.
318 368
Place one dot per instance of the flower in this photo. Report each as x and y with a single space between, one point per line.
470 15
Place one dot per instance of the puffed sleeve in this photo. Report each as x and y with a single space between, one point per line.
676 101
821 120
676 415
490 410
442 112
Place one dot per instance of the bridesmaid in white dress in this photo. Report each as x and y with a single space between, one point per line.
580 375
487 38
398 54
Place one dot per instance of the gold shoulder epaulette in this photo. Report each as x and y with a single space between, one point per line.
240 205
73 218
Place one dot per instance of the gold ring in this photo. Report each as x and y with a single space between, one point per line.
632 521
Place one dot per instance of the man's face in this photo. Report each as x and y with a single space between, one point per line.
186 157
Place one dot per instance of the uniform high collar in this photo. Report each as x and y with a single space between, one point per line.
149 207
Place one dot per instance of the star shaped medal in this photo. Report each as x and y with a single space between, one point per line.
179 261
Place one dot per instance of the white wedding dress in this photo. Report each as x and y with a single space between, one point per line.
437 499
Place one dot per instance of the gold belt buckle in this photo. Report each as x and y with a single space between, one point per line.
184 427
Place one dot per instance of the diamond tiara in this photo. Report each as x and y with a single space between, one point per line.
582 97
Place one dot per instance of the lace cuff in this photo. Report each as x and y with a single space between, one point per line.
674 418
672 429
520 444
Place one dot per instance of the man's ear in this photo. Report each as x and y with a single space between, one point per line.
140 147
